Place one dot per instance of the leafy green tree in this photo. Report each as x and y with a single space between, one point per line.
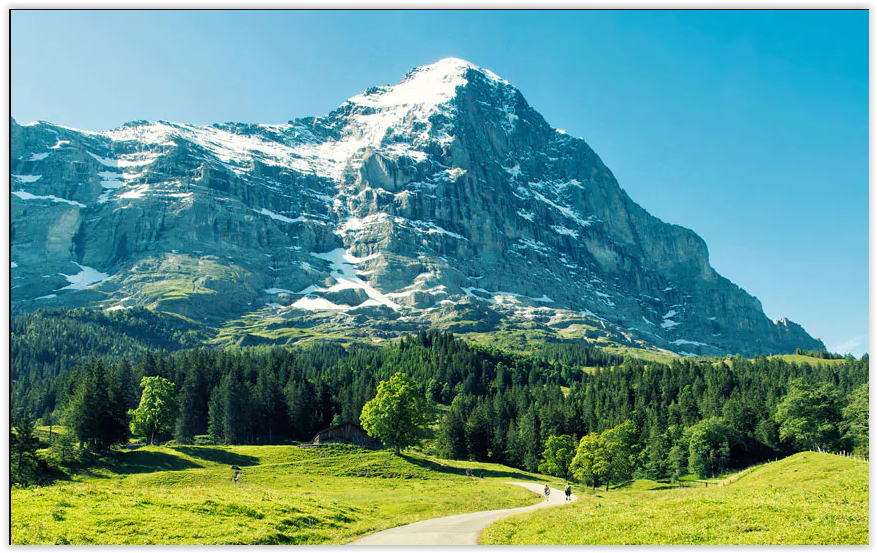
767 433
558 454
591 462
809 416
855 420
158 408
709 446
398 414
621 451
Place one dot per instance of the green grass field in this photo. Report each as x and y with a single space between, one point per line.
333 494
808 498
287 495
802 359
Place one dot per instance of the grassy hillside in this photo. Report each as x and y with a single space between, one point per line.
802 359
808 498
185 495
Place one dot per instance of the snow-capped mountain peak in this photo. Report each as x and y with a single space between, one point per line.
443 199
427 85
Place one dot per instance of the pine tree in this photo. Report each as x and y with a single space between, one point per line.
23 445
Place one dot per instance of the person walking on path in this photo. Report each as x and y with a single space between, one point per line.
547 492
568 491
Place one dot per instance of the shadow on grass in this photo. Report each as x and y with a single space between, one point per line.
216 455
142 461
668 487
477 472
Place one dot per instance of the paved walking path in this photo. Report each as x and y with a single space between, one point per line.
457 529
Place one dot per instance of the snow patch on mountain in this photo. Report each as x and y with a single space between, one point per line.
681 342
342 270
28 196
88 276
278 217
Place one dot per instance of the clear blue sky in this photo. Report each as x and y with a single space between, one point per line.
749 127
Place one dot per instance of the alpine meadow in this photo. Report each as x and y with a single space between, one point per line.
425 317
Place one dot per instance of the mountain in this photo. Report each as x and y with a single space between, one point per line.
444 200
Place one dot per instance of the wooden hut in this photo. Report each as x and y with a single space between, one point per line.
347 433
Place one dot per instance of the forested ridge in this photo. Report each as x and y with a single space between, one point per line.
520 410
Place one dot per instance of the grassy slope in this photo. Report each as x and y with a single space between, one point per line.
808 498
802 359
524 341
185 495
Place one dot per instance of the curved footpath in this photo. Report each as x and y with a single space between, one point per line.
457 529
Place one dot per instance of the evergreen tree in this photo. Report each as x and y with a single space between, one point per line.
479 428
94 412
23 445
216 415
301 409
678 459
189 410
528 435
271 408
452 432
657 460
236 400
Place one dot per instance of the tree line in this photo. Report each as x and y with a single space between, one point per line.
820 354
699 415
664 420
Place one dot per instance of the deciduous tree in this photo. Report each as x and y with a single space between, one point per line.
157 411
398 414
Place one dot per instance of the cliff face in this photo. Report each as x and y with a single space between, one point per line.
445 199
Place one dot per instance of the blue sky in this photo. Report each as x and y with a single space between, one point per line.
749 127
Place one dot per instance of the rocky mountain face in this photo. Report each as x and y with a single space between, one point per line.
444 200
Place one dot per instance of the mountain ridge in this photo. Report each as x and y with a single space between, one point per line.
444 200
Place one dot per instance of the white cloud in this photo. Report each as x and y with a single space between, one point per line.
853 345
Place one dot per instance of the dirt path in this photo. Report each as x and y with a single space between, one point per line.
456 529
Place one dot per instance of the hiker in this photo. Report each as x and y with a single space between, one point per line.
568 491
547 492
